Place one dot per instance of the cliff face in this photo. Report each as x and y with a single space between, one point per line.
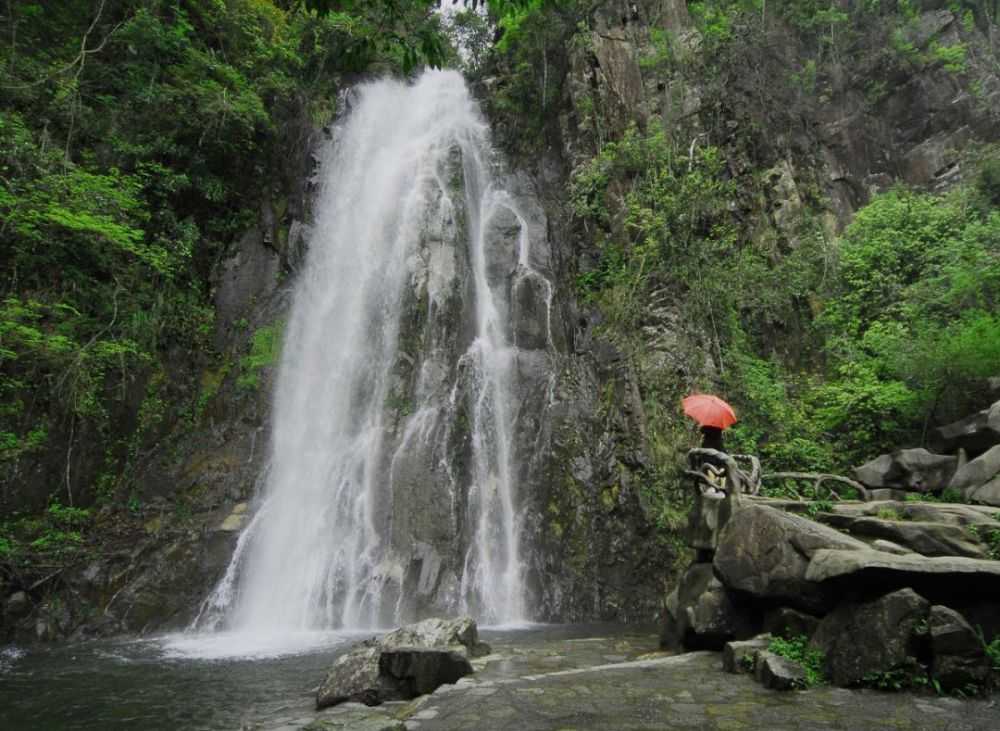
802 132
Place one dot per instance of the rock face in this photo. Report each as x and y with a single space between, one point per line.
916 470
929 539
858 639
765 553
411 661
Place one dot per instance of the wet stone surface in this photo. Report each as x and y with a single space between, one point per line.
549 680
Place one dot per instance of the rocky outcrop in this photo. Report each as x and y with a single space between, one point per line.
777 672
414 660
859 639
915 470
765 553
974 434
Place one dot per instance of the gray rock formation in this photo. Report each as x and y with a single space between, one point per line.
411 661
974 433
707 616
958 655
777 672
915 470
858 639
929 539
978 474
765 553
735 652
787 622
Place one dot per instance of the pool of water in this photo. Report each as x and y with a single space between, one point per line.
239 682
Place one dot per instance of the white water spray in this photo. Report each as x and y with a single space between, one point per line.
322 550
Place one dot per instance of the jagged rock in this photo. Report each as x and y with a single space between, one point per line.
765 552
973 433
861 638
787 622
929 539
411 661
733 652
958 655
977 472
706 615
946 576
916 470
777 672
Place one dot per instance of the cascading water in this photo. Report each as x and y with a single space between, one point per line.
392 490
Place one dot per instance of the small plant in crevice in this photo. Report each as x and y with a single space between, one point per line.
797 650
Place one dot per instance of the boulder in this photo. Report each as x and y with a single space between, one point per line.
957 652
706 615
977 472
777 672
733 652
942 578
889 547
858 639
411 661
764 553
988 494
787 622
929 539
974 433
915 470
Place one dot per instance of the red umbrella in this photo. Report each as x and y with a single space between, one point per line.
709 410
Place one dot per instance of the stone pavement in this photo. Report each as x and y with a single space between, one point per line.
602 683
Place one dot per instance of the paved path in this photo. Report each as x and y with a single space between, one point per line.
603 683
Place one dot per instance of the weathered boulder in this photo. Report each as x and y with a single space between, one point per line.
974 433
958 655
764 552
707 616
916 470
929 539
787 622
988 494
858 639
977 472
943 577
733 652
411 661
777 672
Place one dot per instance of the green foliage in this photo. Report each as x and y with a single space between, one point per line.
818 506
797 649
992 650
33 545
265 350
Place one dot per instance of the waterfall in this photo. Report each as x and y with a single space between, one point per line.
416 355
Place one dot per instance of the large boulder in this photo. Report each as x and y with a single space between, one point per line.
929 539
858 639
411 661
977 472
974 433
988 494
944 578
915 470
958 655
764 553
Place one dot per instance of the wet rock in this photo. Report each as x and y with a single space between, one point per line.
787 622
356 721
915 470
707 616
858 639
958 655
735 651
411 661
929 539
18 606
777 672
234 521
977 472
765 553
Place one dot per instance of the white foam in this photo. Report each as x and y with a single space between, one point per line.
251 645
